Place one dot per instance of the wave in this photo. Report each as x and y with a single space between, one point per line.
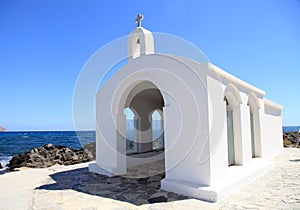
4 160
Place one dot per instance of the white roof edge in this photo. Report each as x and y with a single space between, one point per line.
220 72
273 104
139 29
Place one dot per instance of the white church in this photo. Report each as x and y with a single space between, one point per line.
216 132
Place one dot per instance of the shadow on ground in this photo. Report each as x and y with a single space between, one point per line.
295 160
4 171
133 190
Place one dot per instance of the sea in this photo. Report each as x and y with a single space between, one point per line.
291 128
13 143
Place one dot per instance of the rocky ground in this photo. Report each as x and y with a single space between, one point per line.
49 155
291 139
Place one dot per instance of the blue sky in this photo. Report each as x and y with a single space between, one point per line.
44 45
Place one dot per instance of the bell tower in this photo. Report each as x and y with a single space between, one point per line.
140 41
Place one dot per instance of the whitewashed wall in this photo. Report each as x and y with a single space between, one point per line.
195 125
272 129
185 116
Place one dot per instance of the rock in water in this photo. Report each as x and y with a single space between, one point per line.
1 166
48 155
90 149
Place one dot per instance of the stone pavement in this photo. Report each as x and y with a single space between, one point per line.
73 187
278 189
136 188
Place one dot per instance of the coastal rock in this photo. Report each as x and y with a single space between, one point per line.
48 155
291 139
90 149
1 166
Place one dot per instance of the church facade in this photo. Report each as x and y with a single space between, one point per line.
217 132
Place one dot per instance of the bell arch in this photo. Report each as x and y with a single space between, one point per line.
135 46
140 42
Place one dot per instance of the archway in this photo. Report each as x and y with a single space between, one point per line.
254 125
252 132
136 46
146 104
230 134
234 143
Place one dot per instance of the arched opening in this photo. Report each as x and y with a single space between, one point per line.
252 132
230 134
233 121
136 46
157 130
254 125
147 142
131 131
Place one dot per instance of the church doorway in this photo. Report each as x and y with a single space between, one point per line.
144 125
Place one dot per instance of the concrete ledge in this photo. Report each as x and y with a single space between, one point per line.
243 176
189 189
93 167
136 160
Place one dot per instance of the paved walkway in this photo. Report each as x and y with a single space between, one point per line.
278 189
73 187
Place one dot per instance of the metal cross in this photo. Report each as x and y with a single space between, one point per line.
139 19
